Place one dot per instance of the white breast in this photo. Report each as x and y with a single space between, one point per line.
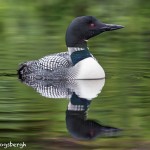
89 68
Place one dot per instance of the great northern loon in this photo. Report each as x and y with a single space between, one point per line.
78 62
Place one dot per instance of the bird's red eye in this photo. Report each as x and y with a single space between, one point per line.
92 25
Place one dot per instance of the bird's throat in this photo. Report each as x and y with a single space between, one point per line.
78 54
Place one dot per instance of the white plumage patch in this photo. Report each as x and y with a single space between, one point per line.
89 68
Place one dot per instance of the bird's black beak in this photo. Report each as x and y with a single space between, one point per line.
110 27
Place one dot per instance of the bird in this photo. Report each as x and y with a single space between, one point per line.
76 63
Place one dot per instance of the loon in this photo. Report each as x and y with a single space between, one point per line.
78 62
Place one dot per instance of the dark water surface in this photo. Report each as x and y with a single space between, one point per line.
30 30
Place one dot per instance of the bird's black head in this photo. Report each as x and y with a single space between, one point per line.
83 28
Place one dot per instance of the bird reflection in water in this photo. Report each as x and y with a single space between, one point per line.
80 94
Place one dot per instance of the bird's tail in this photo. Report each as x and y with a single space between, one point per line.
22 70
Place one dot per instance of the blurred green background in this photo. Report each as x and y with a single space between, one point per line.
30 29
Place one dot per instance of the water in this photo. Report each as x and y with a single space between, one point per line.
123 103
27 33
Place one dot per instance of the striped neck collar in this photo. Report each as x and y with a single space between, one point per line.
77 54
78 104
74 49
